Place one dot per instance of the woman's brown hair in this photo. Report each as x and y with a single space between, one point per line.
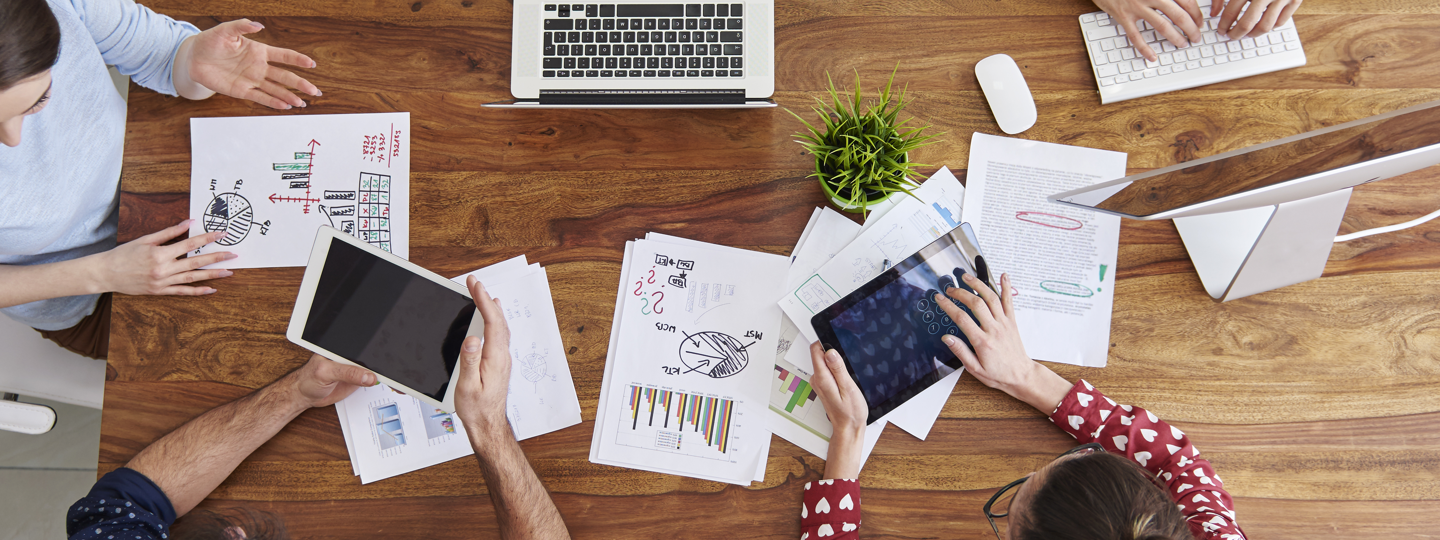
1100 496
29 40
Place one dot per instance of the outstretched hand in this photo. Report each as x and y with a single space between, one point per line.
222 59
144 266
846 407
484 377
999 360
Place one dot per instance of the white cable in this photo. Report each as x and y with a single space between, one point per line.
1387 228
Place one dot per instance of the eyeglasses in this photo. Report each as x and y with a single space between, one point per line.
1007 493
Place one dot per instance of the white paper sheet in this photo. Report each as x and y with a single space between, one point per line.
270 181
391 433
919 414
542 395
1061 260
833 231
610 357
909 226
670 358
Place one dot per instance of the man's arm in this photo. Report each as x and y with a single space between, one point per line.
191 461
522 505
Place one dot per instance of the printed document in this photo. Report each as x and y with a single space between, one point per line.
1061 259
691 348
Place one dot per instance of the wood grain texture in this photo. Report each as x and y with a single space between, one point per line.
1317 402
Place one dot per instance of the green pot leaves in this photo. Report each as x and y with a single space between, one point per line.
863 158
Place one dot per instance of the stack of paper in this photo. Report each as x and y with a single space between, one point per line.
382 427
836 259
796 412
686 376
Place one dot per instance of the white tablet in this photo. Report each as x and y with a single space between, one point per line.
363 306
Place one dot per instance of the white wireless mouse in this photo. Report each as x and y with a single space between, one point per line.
1007 93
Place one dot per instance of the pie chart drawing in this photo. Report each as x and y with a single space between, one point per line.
231 213
714 354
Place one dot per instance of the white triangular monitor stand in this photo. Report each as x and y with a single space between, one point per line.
1246 252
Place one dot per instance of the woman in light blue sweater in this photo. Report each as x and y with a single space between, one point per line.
63 127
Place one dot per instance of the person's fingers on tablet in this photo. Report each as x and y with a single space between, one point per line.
966 356
976 305
992 300
972 331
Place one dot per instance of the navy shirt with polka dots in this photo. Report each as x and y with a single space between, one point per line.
123 505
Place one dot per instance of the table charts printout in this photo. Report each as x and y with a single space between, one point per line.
687 384
269 181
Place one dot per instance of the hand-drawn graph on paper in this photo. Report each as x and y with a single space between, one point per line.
534 366
714 354
374 216
299 173
677 422
389 430
231 213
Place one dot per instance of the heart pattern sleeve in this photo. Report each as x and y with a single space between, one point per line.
1160 448
830 510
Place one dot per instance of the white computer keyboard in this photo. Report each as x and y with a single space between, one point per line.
1122 73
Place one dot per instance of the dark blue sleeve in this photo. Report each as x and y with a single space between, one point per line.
123 505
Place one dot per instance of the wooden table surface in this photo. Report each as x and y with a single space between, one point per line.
1318 403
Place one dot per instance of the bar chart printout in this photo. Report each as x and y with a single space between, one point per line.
677 422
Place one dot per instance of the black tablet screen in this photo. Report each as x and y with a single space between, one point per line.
889 330
390 320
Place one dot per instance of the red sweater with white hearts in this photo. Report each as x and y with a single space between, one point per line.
831 508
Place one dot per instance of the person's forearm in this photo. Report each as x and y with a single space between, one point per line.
24 284
522 505
180 73
1042 390
843 458
192 461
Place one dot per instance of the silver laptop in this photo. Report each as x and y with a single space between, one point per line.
642 54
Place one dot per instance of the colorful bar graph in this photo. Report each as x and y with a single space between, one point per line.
706 415
799 389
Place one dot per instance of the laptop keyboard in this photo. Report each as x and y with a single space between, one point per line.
622 41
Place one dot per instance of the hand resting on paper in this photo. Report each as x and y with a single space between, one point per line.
145 266
845 405
999 360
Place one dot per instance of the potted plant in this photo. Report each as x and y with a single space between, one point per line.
863 158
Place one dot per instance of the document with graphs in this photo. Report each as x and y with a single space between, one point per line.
692 348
